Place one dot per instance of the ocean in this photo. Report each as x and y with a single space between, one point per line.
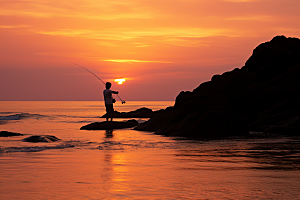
129 164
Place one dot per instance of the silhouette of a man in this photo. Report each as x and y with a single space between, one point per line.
107 93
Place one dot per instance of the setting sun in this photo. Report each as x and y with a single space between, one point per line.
120 81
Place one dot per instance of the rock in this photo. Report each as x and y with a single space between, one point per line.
7 134
262 96
108 125
139 113
291 126
41 138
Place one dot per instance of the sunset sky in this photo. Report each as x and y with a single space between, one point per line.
160 47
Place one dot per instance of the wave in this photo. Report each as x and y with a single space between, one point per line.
65 145
79 122
73 116
6 113
76 144
20 116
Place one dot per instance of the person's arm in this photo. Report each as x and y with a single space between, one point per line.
115 92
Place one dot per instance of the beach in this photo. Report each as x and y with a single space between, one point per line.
130 164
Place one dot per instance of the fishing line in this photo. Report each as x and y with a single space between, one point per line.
99 79
90 72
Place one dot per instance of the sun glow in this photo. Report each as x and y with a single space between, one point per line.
120 81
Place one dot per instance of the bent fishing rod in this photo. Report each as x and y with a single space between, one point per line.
98 79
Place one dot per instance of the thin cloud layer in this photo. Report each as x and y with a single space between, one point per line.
139 38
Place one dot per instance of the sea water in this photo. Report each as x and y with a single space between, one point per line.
129 164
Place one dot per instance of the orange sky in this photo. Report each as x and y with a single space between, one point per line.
160 46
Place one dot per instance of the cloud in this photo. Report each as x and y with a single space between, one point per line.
134 61
127 34
252 18
116 37
241 0
14 26
8 12
90 9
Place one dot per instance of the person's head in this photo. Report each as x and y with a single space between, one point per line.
108 85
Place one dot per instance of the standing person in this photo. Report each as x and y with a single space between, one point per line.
107 93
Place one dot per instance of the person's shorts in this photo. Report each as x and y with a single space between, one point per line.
109 108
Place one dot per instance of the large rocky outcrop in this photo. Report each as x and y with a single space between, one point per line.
263 96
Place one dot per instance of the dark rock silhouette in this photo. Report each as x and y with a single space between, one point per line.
41 138
8 134
110 125
262 96
139 113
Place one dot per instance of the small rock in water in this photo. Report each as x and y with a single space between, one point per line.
7 134
41 138
108 125
139 113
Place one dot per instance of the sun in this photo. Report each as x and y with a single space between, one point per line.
120 81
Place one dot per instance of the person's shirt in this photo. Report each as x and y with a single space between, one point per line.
107 96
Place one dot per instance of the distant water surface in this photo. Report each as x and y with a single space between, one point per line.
128 164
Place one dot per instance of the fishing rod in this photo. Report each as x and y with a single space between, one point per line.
99 79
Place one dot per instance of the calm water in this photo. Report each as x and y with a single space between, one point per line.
128 164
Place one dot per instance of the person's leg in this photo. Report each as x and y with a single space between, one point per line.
112 112
107 111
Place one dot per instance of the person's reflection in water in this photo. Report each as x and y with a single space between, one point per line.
109 133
